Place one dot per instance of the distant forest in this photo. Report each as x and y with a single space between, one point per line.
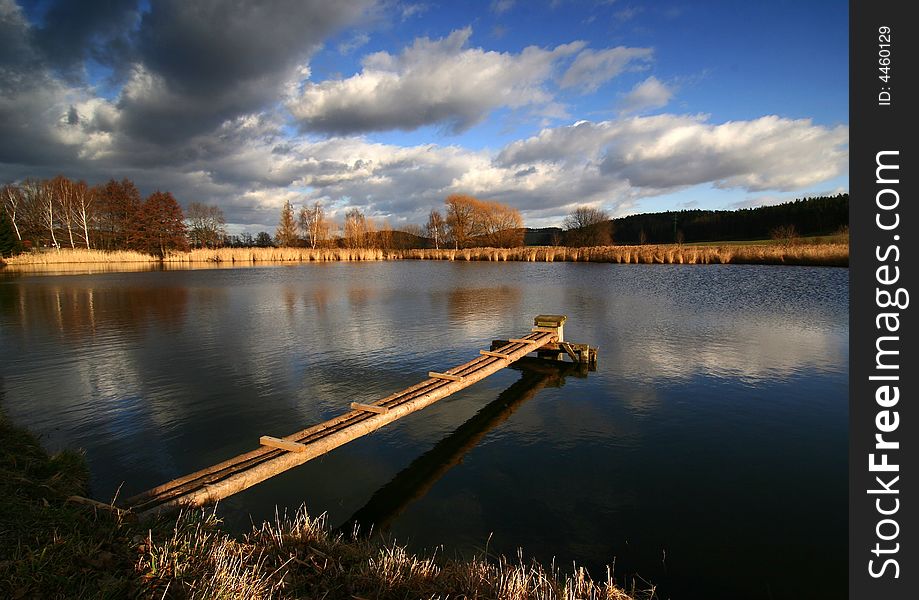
59 212
823 215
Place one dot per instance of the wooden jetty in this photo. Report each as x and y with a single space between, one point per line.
278 454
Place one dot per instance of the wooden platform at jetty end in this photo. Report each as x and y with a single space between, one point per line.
278 454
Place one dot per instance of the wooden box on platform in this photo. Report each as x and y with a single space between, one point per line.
553 323
556 350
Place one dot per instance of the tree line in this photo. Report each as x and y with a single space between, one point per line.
466 222
822 215
63 213
59 213
589 226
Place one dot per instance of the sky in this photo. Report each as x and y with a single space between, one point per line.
390 106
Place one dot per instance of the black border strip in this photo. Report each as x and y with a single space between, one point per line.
881 116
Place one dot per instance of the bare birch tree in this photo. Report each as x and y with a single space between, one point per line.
436 228
355 229
83 200
12 201
312 223
63 192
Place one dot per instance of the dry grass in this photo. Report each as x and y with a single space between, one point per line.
52 548
274 255
829 254
300 558
79 255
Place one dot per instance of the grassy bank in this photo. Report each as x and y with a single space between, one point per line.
826 254
54 548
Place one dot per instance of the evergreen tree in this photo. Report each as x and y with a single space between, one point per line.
9 245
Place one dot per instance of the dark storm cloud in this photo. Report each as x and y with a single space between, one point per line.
74 30
28 98
185 73
15 47
206 61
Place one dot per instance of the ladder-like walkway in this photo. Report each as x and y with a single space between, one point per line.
276 455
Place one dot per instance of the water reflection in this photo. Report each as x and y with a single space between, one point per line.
475 303
78 312
716 387
414 481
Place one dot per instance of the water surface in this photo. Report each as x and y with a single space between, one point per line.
707 454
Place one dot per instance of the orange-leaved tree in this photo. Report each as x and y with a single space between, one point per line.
159 226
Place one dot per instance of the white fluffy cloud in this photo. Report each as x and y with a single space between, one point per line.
667 152
649 94
608 163
431 82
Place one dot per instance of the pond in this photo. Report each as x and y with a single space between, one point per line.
707 455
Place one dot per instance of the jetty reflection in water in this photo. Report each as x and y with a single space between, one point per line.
414 481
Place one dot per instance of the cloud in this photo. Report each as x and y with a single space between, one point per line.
354 42
772 200
432 82
203 62
72 32
628 13
412 10
499 7
593 68
199 109
45 122
187 69
668 152
648 94
768 153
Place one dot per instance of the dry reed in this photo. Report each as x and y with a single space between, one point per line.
79 255
300 557
831 254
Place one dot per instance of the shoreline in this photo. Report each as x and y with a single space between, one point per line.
824 254
52 546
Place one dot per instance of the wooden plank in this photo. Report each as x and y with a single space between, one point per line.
496 345
267 440
522 341
369 408
495 354
445 376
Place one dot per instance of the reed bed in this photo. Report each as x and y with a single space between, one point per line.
79 255
831 254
